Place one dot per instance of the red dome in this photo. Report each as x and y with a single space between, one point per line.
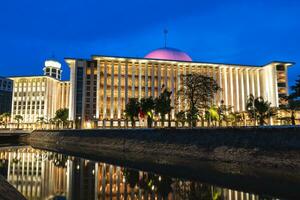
169 54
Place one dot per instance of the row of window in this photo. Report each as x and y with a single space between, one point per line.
20 94
29 102
19 112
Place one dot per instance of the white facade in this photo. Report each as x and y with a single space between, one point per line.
38 96
101 87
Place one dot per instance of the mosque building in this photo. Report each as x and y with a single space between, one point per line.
39 96
102 85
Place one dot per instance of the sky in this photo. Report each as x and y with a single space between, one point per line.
233 31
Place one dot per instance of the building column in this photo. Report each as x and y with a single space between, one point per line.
247 83
126 89
166 76
146 80
140 81
104 90
221 84
152 80
98 90
258 82
231 89
159 79
252 82
178 87
226 86
185 100
133 80
119 90
173 92
214 76
112 96
243 90
237 94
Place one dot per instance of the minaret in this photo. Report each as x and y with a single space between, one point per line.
52 68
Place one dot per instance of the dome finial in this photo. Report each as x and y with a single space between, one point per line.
165 34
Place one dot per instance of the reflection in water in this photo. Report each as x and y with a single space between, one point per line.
41 174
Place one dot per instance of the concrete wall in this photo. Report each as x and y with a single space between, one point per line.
268 147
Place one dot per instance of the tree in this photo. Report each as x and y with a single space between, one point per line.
223 111
41 120
296 89
163 106
181 117
292 105
18 118
52 121
147 106
198 91
62 115
259 109
292 101
212 115
132 110
5 118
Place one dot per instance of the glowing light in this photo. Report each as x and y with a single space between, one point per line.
88 125
52 63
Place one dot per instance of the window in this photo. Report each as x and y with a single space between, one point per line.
280 68
281 84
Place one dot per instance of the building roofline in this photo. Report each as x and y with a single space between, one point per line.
197 62
32 76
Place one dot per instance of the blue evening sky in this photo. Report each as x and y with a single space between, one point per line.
234 31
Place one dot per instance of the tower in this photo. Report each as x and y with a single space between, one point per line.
52 68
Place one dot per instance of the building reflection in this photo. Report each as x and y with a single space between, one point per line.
47 175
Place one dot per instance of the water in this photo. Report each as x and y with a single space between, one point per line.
40 174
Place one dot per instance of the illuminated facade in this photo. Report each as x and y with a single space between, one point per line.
102 85
39 96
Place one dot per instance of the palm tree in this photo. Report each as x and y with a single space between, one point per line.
18 118
292 105
132 110
147 106
223 111
52 121
5 118
41 120
62 115
259 109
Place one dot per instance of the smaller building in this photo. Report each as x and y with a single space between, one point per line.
6 88
39 96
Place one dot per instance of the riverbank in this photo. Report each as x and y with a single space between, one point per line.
11 137
273 147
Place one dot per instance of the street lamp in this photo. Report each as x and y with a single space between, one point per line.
79 122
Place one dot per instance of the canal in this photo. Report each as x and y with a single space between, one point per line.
40 174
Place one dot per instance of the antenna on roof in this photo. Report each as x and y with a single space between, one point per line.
165 34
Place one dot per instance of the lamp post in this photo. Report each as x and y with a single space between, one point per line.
79 123
95 121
